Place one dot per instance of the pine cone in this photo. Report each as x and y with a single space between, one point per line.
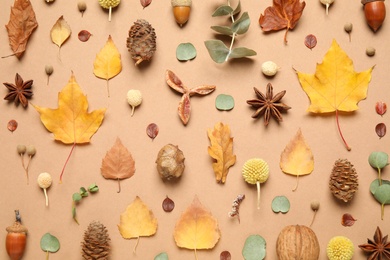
343 181
96 242
141 41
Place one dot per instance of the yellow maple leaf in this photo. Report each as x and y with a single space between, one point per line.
137 221
70 122
108 62
297 158
221 150
196 228
335 86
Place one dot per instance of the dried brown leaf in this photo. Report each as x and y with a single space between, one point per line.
168 205
347 220
22 23
380 130
225 255
152 130
145 3
12 125
380 108
84 35
310 41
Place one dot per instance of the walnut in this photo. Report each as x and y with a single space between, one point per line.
170 162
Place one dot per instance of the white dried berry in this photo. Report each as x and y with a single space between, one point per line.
269 68
134 98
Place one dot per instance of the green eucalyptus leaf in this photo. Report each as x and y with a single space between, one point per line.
76 197
254 248
378 160
217 50
225 30
161 256
241 52
238 8
83 192
50 243
280 204
224 102
93 188
185 51
241 25
375 184
222 11
382 194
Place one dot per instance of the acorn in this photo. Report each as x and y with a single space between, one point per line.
375 13
15 242
181 10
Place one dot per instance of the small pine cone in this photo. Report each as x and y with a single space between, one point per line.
141 41
96 242
343 181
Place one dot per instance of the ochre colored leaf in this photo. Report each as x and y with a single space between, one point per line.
60 32
137 221
221 150
283 14
22 23
118 163
71 122
108 61
196 228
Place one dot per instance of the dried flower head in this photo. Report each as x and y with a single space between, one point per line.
340 248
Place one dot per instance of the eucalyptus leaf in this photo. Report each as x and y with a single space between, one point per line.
241 52
185 51
375 184
217 50
241 25
161 256
83 192
238 8
225 30
378 160
280 204
93 188
224 102
382 194
76 197
254 248
50 243
222 11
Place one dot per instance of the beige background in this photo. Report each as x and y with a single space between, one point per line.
251 138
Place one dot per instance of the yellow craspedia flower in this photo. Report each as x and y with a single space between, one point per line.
255 170
109 3
340 248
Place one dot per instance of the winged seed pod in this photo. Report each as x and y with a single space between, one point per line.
96 244
343 181
141 42
255 171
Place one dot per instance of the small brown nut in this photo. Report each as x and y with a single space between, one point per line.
370 51
170 162
181 10
375 13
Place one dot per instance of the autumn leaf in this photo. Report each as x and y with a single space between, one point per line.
60 32
108 62
118 163
335 86
21 25
284 14
221 150
196 228
70 122
137 221
297 158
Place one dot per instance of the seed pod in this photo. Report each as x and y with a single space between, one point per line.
343 181
170 162
181 10
375 13
15 242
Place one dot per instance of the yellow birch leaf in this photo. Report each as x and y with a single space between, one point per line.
335 86
297 158
108 62
196 228
137 221
221 150
60 32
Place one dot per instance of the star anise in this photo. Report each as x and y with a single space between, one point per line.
379 249
20 91
268 104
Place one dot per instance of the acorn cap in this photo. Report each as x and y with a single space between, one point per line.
369 1
181 2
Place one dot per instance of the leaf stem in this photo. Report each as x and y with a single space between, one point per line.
66 162
231 46
341 134
258 194
196 255
296 185
382 211
314 216
47 255
135 247
46 198
119 186
108 89
379 176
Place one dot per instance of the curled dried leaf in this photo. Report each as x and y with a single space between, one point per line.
84 35
347 220
380 130
310 41
152 130
380 108
12 125
168 205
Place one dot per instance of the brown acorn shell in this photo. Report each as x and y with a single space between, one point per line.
375 13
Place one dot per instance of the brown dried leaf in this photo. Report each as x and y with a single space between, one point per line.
202 90
347 220
184 108
174 82
380 130
22 23
284 14
118 163
310 41
380 108
84 35
145 3
225 255
168 205
152 130
12 125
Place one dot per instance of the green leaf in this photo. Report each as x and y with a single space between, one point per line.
161 256
375 184
241 52
50 243
222 11
76 197
241 25
238 8
93 188
382 194
83 192
280 204
185 51
254 248
224 102
217 50
378 160
225 30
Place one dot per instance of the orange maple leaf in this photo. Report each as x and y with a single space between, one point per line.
70 122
